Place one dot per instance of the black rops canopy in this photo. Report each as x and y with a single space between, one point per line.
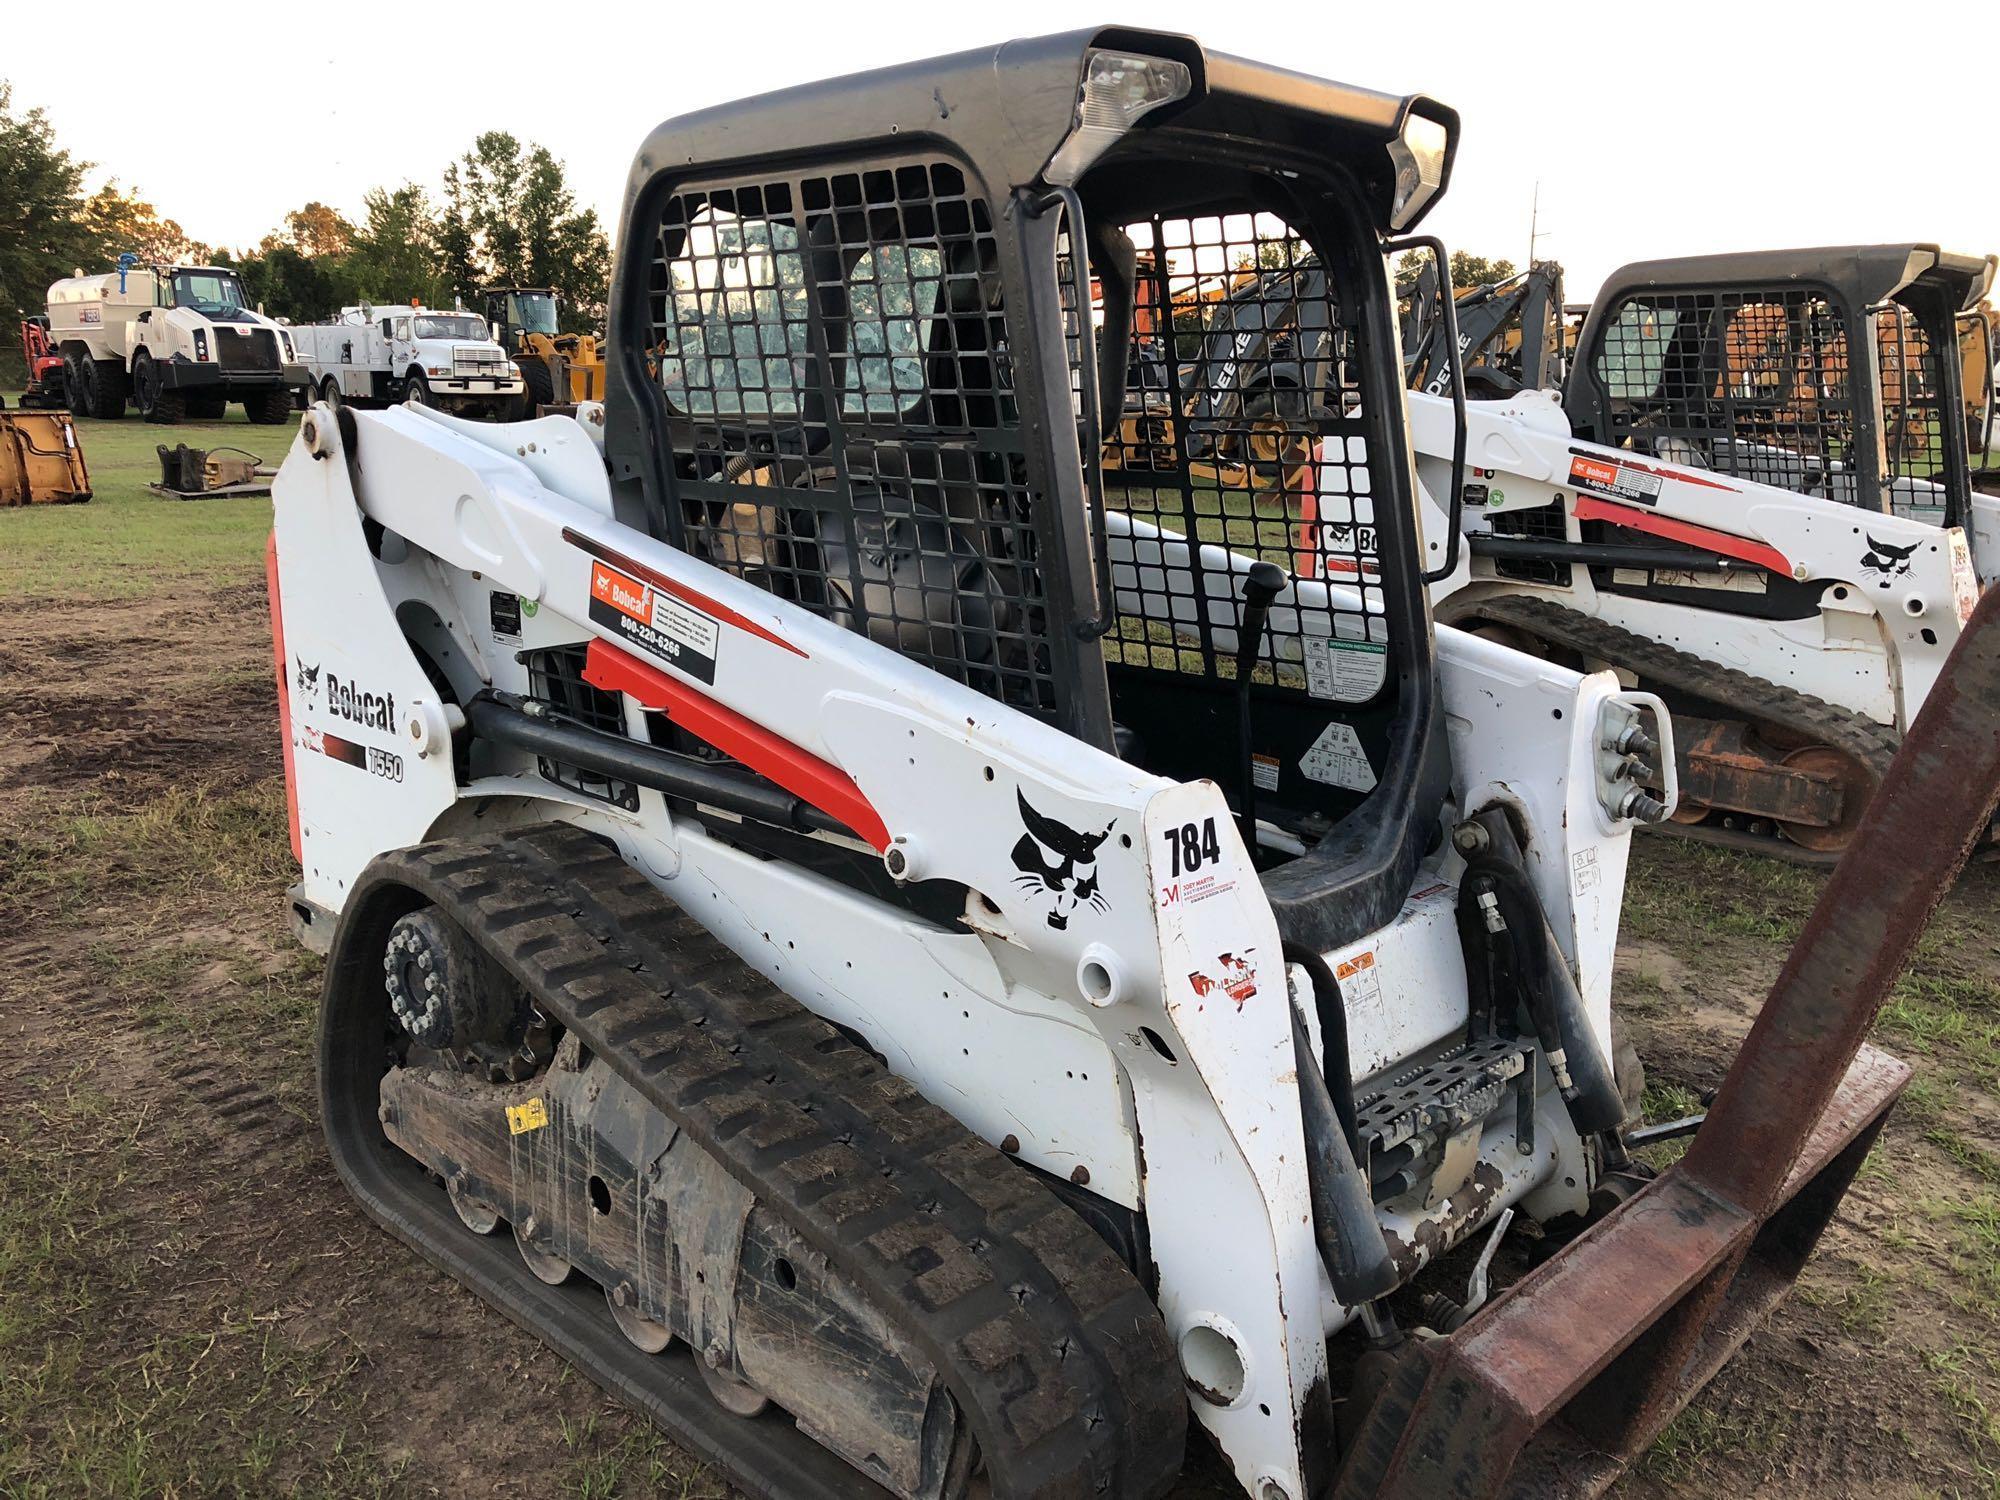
1005 110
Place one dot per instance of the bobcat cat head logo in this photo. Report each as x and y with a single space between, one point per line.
1058 862
308 680
1882 558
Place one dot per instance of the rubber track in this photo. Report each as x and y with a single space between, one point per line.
1052 1349
1659 665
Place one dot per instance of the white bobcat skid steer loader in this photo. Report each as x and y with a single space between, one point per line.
1728 508
1795 638
1859 373
943 970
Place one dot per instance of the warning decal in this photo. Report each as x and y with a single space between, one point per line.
1264 771
657 623
1337 759
1584 874
530 1114
1359 982
1609 477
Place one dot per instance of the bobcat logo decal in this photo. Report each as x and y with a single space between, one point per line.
308 680
1058 862
1892 562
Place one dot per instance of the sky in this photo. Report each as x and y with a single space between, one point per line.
1646 130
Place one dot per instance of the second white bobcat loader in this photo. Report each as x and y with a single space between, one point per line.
945 970
1795 637
1725 508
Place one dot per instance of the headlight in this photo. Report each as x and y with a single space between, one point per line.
291 355
1418 157
1117 91
201 343
439 369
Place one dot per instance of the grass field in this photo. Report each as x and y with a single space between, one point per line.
190 1306
120 545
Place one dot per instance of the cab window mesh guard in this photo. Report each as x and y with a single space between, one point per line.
1913 415
1749 382
832 349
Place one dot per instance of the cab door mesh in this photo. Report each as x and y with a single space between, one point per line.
832 349
1251 431
1244 437
1752 382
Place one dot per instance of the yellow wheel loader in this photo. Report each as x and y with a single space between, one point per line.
559 369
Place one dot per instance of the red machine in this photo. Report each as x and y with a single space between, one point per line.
45 367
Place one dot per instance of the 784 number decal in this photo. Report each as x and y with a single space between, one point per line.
1192 845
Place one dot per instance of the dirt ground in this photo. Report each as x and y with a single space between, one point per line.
190 1306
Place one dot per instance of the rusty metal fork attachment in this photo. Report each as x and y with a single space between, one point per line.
1570 1374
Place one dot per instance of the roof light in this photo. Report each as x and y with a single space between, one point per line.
1118 89
1418 158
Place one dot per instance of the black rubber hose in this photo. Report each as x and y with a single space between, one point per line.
1344 1223
1548 988
1481 989
1331 1009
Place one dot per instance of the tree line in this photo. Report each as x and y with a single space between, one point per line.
502 213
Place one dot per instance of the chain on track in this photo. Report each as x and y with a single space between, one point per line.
1052 1349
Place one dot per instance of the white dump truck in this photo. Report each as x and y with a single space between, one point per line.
175 341
383 356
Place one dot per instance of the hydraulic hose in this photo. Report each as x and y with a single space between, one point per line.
1332 1012
1498 905
1344 1223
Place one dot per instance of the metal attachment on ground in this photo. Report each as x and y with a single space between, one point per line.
41 461
1666 1130
190 471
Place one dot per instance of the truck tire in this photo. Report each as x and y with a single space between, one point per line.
156 403
104 389
269 407
209 406
75 392
329 392
417 390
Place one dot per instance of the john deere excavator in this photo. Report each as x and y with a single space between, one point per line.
1510 334
929 973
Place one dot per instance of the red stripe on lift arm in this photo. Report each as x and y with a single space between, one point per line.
798 771
1589 508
